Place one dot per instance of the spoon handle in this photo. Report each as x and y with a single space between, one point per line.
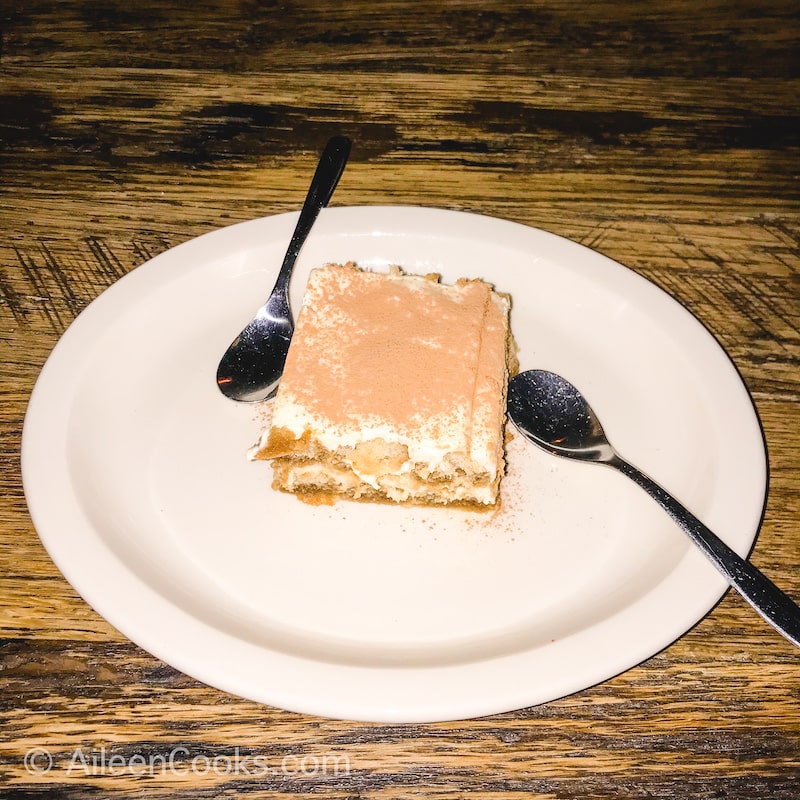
329 170
766 598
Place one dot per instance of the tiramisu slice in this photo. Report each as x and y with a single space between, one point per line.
394 389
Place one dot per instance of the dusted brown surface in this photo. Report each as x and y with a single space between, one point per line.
399 350
663 135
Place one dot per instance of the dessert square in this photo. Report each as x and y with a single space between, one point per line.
394 389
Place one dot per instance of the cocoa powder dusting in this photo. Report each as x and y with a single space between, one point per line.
402 350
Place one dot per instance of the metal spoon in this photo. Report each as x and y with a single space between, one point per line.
252 366
551 412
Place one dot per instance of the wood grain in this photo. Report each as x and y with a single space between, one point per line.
663 135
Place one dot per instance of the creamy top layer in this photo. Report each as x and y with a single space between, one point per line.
400 357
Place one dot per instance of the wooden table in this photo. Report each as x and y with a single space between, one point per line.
663 135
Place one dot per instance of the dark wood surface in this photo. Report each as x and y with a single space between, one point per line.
664 135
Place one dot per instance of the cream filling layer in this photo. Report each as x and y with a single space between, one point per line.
433 451
398 487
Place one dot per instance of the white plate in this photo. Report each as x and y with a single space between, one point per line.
136 478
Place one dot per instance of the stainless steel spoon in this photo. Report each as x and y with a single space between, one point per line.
252 366
551 412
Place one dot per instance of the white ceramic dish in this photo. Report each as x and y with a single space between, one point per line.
136 479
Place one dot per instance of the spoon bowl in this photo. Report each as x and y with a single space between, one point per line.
251 367
550 412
